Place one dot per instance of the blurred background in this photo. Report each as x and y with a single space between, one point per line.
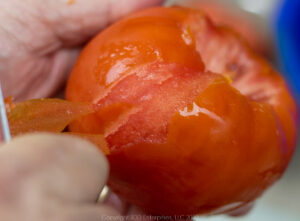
271 27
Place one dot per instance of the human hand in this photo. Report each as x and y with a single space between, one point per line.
51 177
40 40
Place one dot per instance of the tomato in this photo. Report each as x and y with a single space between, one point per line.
196 123
247 25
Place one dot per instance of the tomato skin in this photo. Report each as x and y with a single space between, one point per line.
182 138
245 24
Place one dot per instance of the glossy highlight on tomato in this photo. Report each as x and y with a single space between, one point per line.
196 123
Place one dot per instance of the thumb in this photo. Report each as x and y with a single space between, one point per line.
57 167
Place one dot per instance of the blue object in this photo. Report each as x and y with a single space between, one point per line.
287 32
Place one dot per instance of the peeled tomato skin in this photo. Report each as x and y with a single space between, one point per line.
196 123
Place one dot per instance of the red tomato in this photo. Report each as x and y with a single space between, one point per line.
183 138
245 24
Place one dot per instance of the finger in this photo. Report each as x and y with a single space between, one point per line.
115 202
41 76
90 213
82 20
60 167
45 25
52 75
242 210
135 213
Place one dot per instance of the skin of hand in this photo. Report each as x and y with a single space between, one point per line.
40 40
52 177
